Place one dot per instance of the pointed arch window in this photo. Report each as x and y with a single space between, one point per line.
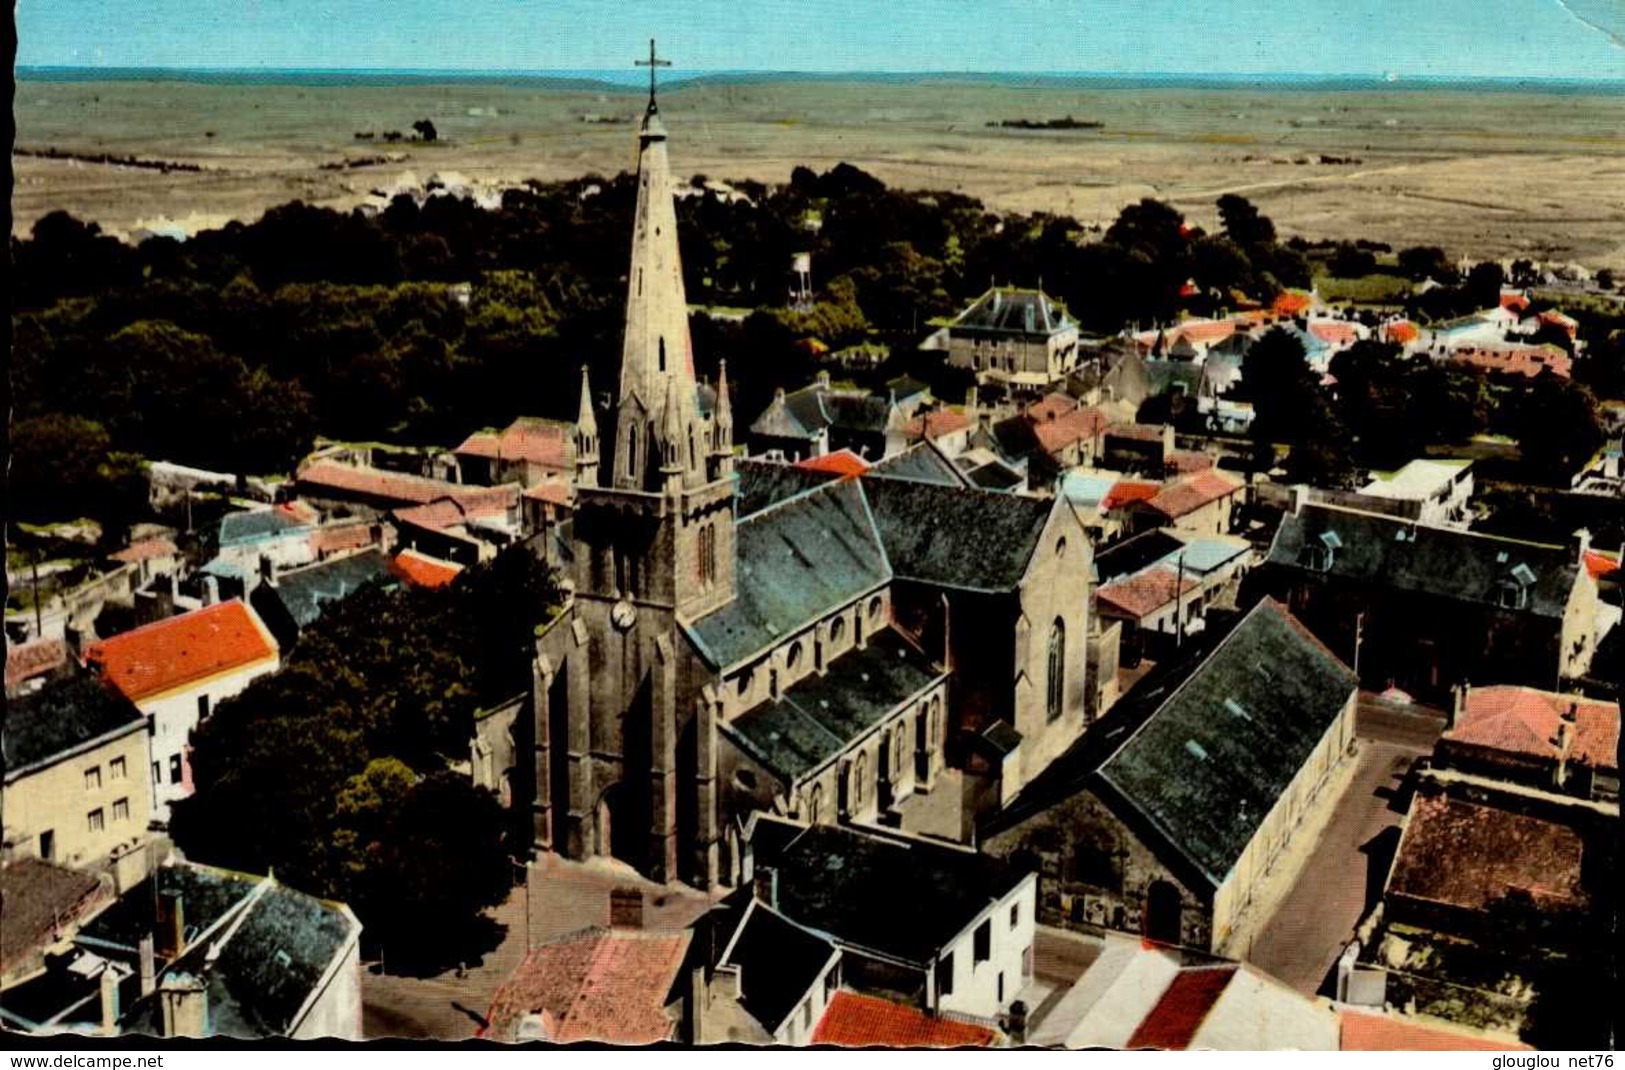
662 353
1056 677
631 451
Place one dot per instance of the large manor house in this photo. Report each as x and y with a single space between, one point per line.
750 636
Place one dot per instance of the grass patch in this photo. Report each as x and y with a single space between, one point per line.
1376 289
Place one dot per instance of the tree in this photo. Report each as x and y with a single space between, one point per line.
1484 282
1557 427
1349 261
1290 407
425 130
1244 224
1420 262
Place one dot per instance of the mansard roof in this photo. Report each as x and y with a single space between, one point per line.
797 560
1387 552
1007 310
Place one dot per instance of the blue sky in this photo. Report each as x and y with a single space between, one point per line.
1441 38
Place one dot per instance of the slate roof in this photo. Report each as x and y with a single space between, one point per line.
596 984
778 961
1006 310
61 718
902 898
206 896
970 539
822 715
806 412
172 653
1135 553
1435 561
764 483
1523 720
796 561
995 475
306 592
1163 375
919 462
1467 855
256 524
855 1021
1212 760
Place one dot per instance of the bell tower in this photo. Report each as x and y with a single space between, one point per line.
631 767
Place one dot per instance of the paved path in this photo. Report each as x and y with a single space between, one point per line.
1348 863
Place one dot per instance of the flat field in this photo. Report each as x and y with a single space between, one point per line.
1482 173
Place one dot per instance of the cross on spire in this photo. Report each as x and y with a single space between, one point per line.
652 62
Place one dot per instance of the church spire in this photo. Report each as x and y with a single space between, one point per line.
657 362
586 435
722 424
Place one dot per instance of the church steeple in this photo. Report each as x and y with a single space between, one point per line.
722 424
657 361
586 436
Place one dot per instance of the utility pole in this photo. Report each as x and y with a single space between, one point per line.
1359 637
1179 610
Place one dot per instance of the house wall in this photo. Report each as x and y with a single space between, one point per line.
1274 834
1055 587
1095 872
336 1011
58 798
1578 639
976 984
286 550
1051 355
797 1029
174 714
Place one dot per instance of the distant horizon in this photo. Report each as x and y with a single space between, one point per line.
635 81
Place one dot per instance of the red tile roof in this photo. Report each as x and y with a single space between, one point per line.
854 1021
1057 433
400 488
1558 319
28 660
841 462
1130 490
145 550
335 538
435 516
1183 461
1523 720
536 441
1187 494
1514 300
1515 359
1334 332
1143 594
1600 564
1368 1031
1466 855
421 570
1401 332
1138 432
552 491
1173 1022
1291 302
597 984
1051 406
187 649
936 423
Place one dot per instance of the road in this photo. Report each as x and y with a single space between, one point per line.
1348 864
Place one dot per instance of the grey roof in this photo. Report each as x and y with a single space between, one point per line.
1163 375
852 412
1437 561
1011 311
906 899
796 561
1135 553
256 524
955 536
823 715
52 722
919 462
1213 759
996 475
779 961
306 592
206 896
804 413
765 483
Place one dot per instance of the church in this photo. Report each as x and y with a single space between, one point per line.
743 636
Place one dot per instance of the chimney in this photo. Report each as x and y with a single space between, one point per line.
267 568
110 1007
1016 1023
1458 702
185 1006
767 885
1581 543
626 908
148 966
170 938
1300 498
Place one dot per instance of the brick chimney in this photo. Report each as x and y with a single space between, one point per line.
626 908
170 937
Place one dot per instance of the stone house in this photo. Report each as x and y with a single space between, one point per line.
1171 834
1539 739
1014 335
76 788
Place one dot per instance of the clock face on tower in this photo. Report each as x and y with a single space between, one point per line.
623 615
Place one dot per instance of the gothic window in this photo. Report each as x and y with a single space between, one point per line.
815 803
936 722
837 630
1057 670
874 608
795 656
897 752
631 452
691 454
662 354
860 774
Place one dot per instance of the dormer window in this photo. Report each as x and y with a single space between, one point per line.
1512 592
1318 554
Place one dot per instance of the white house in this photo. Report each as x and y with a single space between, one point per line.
176 671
